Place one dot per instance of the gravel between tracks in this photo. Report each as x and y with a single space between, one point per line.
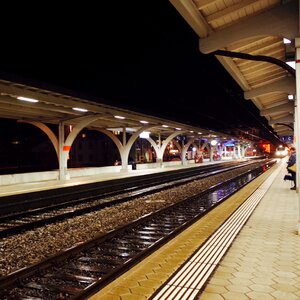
32 246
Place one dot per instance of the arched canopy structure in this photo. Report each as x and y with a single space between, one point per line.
41 108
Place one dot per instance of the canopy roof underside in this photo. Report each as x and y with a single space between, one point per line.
255 27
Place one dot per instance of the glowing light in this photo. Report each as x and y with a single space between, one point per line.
144 122
194 149
290 97
178 128
80 109
119 117
291 64
165 126
145 135
27 99
286 41
214 142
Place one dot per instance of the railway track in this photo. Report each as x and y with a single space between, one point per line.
19 222
79 272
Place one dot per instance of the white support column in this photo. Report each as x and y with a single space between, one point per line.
182 156
234 152
123 153
61 140
225 151
297 119
159 157
211 151
124 136
239 150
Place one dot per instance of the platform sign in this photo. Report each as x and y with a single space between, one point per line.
287 139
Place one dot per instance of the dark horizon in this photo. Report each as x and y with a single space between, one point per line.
144 58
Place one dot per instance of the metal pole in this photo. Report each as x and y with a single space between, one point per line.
297 121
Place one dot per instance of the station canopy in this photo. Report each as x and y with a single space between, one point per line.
31 104
254 41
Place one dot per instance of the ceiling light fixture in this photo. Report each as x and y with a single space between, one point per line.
144 122
27 99
80 109
291 64
119 117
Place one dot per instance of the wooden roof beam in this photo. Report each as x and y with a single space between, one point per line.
200 4
280 21
228 10
193 17
287 107
286 85
286 119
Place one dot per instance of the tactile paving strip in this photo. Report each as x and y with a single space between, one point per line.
191 277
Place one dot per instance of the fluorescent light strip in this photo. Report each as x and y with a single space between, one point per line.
144 122
119 117
27 99
80 109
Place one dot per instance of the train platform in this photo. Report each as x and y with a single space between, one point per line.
21 188
255 255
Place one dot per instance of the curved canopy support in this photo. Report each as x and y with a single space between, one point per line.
85 121
166 142
186 147
47 131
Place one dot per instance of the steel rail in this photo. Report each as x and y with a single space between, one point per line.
82 270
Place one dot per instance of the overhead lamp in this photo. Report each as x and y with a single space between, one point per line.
291 64
286 41
191 131
145 135
177 128
119 117
214 142
144 122
80 109
165 126
291 97
27 99
199 132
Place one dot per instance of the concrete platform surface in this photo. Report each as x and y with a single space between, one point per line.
264 260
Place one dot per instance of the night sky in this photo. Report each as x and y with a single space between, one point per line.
140 55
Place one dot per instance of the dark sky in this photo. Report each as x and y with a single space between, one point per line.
140 55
